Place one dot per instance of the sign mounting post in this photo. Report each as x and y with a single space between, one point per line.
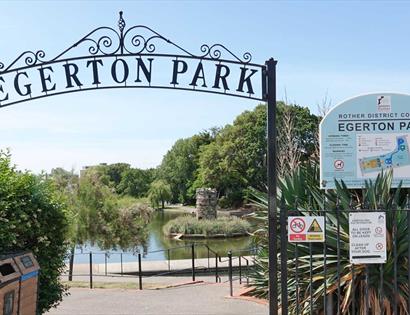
272 188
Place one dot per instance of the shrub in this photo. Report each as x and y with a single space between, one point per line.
227 226
378 194
33 218
130 227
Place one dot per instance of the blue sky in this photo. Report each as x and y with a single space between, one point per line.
339 48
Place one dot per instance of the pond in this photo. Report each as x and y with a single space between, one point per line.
158 243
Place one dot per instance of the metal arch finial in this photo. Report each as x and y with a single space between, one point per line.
121 22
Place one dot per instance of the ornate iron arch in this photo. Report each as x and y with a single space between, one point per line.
105 44
139 43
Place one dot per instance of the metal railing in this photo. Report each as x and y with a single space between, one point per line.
193 270
231 269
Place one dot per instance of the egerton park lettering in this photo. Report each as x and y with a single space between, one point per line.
374 122
90 73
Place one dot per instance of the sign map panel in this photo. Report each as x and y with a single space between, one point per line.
363 136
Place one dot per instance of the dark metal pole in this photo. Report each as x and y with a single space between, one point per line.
216 269
193 261
71 267
271 176
366 290
408 249
122 271
283 256
139 271
240 269
169 259
105 263
338 265
91 270
395 286
208 260
247 272
230 273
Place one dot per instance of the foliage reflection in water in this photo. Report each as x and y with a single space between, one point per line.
157 242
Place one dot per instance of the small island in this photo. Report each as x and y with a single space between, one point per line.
206 224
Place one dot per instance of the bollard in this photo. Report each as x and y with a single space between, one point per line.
216 268
230 273
193 261
91 270
140 271
240 269
247 272
122 271
209 270
71 267
105 263
169 259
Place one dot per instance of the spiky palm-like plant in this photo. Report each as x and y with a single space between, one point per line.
300 194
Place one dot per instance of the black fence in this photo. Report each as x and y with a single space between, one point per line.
235 265
319 278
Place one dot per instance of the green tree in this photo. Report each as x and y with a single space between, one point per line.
32 217
135 182
159 192
97 214
237 157
115 172
179 166
66 185
97 209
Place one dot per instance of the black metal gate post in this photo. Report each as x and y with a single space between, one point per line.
139 271
91 270
271 160
193 261
230 273
71 265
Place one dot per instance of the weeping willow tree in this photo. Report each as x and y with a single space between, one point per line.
97 215
299 191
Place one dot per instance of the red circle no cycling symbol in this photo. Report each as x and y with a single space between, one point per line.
297 225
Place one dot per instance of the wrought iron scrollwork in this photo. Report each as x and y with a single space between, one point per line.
110 42
30 58
104 44
215 53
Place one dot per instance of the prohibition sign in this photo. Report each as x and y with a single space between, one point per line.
297 225
339 164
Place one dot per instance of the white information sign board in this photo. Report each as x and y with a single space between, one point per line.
363 136
306 229
367 231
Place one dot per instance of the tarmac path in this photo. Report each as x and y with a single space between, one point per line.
195 299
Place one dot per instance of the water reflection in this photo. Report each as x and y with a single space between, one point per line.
157 242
